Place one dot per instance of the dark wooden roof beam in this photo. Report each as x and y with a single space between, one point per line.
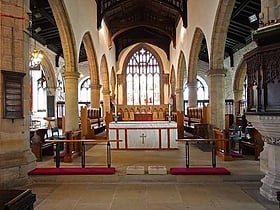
47 16
238 32
241 8
244 26
236 28
231 41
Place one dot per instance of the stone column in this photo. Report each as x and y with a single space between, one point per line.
95 95
217 97
180 112
179 100
71 100
237 97
16 158
192 86
106 101
268 126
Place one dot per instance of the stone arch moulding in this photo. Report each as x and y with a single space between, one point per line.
181 71
239 77
138 47
216 63
66 35
194 54
113 82
50 74
105 84
172 81
92 59
181 75
104 74
219 34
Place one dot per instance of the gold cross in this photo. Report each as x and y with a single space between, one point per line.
142 138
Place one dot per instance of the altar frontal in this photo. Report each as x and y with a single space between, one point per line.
143 135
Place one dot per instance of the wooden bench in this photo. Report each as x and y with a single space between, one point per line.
38 145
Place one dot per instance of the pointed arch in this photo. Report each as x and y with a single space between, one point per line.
49 73
181 71
105 75
194 54
113 81
138 47
92 59
172 81
239 77
66 35
219 34
105 84
162 78
181 77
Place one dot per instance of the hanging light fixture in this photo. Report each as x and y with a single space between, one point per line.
36 55
35 58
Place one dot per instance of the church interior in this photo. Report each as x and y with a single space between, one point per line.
173 103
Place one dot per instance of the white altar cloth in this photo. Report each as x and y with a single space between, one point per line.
143 134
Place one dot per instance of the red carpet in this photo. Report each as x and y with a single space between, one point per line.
72 171
200 171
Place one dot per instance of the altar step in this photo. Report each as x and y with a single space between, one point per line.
137 170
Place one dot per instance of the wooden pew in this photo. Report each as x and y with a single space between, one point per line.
223 149
195 115
38 145
91 122
72 149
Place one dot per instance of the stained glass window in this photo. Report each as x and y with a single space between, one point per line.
143 79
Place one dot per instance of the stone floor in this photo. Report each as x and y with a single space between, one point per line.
120 191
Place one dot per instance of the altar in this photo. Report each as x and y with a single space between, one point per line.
143 135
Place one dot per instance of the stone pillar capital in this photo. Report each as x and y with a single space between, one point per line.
95 86
71 75
216 72
192 84
106 92
179 91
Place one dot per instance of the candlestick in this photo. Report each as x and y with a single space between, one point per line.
115 110
169 109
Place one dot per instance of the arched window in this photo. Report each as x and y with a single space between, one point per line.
202 90
38 91
143 79
85 91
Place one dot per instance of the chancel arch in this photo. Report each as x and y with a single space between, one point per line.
143 66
